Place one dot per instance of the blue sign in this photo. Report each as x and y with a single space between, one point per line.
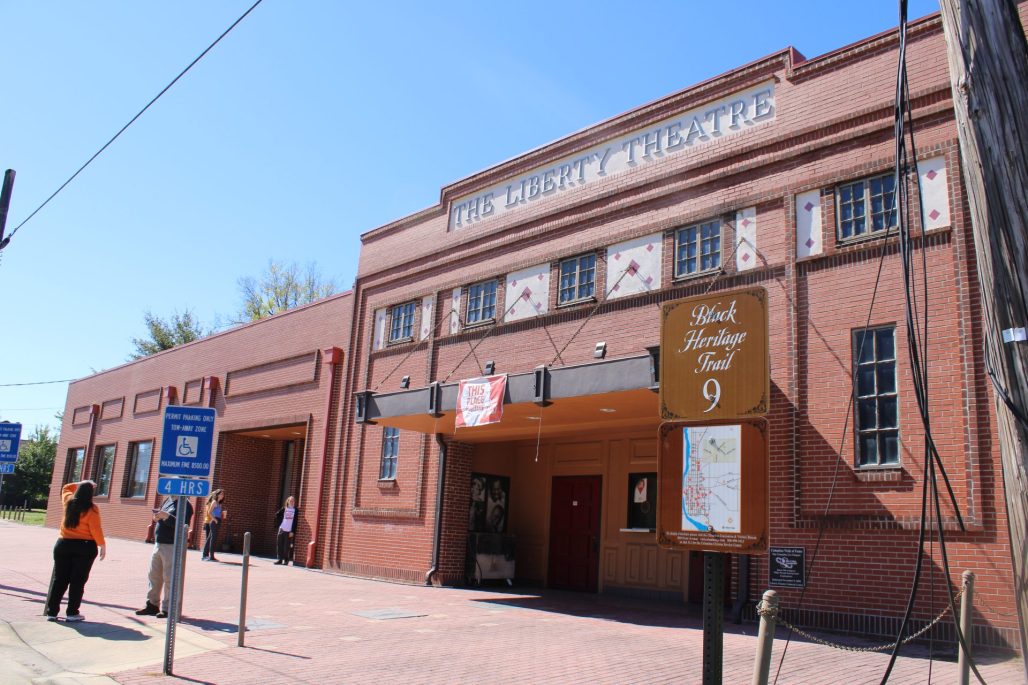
10 436
187 487
6 468
186 441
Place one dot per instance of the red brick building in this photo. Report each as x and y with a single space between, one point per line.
552 268
275 385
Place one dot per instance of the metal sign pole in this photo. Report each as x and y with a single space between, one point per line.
713 616
174 598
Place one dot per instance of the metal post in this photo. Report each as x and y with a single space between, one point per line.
765 637
174 601
242 589
966 610
713 616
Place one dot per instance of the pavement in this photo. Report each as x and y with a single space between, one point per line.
307 626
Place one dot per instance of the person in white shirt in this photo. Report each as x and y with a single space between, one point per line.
285 522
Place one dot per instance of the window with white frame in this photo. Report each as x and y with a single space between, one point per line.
481 302
103 470
390 450
698 248
137 469
401 322
876 402
866 207
577 278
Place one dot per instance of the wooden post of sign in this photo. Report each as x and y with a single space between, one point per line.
713 616
988 65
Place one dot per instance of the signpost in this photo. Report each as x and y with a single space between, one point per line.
714 447
186 443
10 439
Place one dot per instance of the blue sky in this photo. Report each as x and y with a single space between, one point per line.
312 122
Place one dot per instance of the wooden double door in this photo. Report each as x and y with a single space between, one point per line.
574 558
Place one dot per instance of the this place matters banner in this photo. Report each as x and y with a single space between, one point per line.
480 401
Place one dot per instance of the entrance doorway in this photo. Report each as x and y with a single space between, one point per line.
575 533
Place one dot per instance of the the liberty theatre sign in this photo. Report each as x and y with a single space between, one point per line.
714 442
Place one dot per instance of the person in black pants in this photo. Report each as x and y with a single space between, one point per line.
285 524
80 541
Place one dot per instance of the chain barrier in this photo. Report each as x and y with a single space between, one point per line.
773 614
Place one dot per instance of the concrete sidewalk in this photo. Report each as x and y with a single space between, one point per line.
312 627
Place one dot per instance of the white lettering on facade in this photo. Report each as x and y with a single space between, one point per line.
727 116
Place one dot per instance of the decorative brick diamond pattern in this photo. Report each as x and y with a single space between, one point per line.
808 224
935 192
378 341
455 311
746 238
527 293
636 263
426 317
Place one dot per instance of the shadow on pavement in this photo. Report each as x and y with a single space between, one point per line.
209 625
107 631
648 612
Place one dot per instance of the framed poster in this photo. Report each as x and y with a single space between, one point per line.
489 503
642 501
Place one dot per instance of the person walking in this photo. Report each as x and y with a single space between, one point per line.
79 543
163 558
213 514
285 522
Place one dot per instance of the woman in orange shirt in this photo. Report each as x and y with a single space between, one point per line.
80 541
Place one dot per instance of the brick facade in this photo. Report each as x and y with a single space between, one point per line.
270 377
832 125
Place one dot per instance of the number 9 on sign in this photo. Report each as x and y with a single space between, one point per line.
711 393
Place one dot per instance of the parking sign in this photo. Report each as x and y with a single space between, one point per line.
10 438
186 441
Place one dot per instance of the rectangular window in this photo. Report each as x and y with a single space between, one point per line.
866 207
481 302
73 467
390 449
577 278
103 470
137 469
876 404
402 326
698 248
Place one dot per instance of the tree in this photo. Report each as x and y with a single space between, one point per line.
178 330
279 288
33 471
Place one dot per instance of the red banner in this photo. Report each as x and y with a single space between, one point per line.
480 401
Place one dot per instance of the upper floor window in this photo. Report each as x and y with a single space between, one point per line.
137 469
402 322
577 278
73 467
866 207
103 470
390 450
481 302
877 405
698 248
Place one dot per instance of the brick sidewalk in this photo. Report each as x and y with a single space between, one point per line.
304 627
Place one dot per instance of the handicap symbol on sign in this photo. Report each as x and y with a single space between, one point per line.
186 446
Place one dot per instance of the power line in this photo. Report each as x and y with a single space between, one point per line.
15 385
133 120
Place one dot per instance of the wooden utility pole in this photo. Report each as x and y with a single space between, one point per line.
988 65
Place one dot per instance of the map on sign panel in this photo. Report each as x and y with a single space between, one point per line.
711 479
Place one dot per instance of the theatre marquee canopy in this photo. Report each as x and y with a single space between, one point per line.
611 395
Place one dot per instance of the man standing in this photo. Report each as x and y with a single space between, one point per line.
163 558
